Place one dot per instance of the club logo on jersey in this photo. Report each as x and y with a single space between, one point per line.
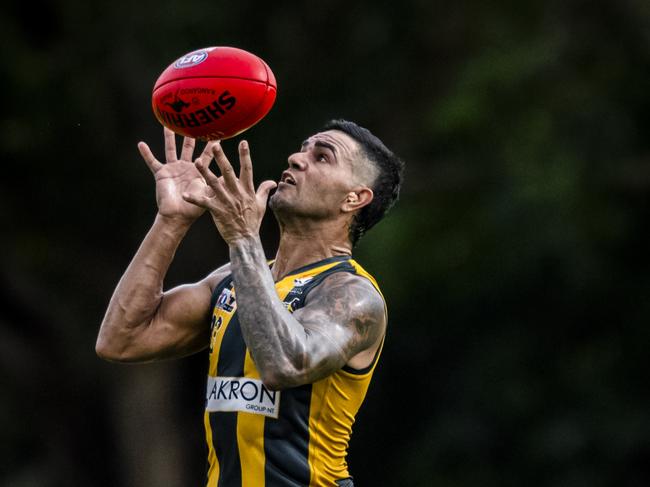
191 59
226 300
241 394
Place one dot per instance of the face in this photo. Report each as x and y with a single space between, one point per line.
319 178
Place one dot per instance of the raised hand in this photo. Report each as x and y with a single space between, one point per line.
236 208
178 176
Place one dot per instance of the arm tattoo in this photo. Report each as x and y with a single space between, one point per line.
344 315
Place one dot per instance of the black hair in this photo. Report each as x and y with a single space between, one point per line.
387 184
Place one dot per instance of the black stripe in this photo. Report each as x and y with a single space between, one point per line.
224 424
286 440
345 482
224 440
337 258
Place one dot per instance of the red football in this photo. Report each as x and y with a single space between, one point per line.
214 93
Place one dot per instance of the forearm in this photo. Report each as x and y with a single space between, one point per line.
139 292
276 340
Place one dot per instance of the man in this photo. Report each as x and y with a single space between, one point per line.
293 343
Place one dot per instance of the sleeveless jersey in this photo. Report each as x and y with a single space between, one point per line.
295 437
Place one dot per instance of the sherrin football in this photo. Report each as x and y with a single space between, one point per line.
214 93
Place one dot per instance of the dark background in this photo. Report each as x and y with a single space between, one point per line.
515 265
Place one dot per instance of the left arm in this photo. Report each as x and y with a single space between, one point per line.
343 322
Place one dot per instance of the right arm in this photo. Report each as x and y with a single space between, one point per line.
143 323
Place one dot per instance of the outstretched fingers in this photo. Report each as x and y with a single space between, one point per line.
149 159
227 172
188 148
203 166
246 166
206 154
170 145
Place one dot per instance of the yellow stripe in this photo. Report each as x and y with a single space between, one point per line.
362 272
213 461
250 438
213 470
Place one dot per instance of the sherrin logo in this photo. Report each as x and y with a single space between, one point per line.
191 59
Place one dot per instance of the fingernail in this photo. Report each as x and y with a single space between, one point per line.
244 144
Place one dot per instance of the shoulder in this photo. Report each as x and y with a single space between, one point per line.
213 279
351 298
358 289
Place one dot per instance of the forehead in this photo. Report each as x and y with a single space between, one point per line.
343 146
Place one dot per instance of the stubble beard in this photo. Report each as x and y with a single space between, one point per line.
280 207
285 209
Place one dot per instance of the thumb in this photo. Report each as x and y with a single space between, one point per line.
263 191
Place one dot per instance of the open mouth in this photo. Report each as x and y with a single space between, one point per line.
287 178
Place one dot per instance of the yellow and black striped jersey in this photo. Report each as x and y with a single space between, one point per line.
295 437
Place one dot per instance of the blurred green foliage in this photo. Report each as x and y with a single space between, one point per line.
514 265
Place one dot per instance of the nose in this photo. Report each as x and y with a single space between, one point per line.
297 161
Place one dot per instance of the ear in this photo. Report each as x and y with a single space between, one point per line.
357 199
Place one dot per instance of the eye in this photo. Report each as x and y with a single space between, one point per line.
321 157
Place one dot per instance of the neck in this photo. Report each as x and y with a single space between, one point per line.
308 245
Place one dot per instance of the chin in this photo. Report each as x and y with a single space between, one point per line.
284 207
278 203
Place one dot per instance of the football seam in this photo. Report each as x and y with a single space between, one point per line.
213 77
